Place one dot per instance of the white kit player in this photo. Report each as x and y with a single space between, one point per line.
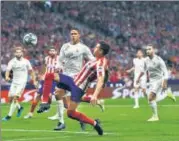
72 57
158 76
138 64
20 67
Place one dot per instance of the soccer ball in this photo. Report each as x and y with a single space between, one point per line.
30 39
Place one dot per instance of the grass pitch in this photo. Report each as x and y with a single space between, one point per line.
120 123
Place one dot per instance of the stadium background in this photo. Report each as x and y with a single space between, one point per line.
127 26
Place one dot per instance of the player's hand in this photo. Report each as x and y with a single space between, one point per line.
93 100
8 79
164 84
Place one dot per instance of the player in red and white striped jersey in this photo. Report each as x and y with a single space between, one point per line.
93 70
51 61
47 87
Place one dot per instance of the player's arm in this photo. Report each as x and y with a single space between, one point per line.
43 70
101 69
142 71
165 73
7 74
88 55
130 70
32 73
61 58
33 77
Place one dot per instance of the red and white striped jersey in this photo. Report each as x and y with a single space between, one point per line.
91 71
50 63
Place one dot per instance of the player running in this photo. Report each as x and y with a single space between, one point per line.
138 63
45 89
20 67
158 76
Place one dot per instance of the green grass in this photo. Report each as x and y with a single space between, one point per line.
120 123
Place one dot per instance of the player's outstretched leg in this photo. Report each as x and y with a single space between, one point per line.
83 118
170 94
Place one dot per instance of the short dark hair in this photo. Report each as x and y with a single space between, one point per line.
152 45
51 48
105 47
75 28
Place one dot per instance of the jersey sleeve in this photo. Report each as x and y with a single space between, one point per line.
143 66
9 66
87 54
45 60
133 62
29 66
101 68
164 68
61 57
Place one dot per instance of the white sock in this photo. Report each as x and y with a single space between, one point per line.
161 96
136 99
60 111
18 105
12 109
57 109
153 105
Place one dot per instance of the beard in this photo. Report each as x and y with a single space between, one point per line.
52 55
19 57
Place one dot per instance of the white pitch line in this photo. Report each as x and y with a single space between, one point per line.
50 131
117 106
114 106
45 138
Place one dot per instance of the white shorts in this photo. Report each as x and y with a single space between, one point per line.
16 89
156 86
142 83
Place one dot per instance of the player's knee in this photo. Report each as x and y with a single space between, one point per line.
66 105
152 97
70 113
57 97
15 99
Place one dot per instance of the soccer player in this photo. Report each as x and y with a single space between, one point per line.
138 64
158 76
72 57
45 89
95 69
20 67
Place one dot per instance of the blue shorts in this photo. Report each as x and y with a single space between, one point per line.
67 83
41 86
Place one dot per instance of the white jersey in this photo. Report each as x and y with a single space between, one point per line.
72 57
156 68
138 66
20 70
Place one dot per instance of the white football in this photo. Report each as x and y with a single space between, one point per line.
30 39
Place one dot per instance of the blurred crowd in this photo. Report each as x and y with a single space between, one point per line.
126 26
